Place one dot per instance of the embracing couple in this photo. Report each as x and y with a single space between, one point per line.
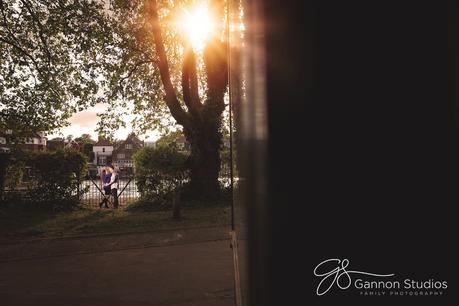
109 179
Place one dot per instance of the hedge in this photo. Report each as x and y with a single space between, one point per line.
45 180
159 171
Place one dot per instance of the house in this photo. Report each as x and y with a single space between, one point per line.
55 144
35 141
150 144
72 144
60 143
182 144
103 152
122 155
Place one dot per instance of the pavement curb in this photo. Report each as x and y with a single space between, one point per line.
107 234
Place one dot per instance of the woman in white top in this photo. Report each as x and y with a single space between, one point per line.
114 185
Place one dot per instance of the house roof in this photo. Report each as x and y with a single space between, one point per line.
131 139
30 134
102 143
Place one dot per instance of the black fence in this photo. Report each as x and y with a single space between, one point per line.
90 190
93 192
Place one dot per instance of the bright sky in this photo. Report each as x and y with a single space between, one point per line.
196 24
85 122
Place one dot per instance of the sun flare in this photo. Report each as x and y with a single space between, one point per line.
196 25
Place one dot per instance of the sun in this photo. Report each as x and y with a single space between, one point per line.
196 24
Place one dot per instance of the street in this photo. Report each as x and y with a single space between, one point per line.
179 272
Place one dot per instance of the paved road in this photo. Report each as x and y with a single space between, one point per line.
193 272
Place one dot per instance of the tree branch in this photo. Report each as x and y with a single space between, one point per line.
136 66
39 29
37 67
14 44
131 72
193 79
190 82
172 102
25 53
215 59
5 21
186 86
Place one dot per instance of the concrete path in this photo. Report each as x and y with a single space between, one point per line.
188 268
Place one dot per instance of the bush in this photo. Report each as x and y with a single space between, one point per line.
4 163
14 175
46 180
57 176
159 171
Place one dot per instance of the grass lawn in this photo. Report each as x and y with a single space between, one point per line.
26 225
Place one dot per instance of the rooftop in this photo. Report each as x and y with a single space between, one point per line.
102 143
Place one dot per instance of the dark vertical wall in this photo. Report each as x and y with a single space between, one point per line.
362 155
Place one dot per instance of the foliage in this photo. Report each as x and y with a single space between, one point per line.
51 180
85 139
4 163
151 62
63 56
169 138
57 177
88 150
159 171
50 60
14 175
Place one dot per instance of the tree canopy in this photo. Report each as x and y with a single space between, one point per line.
134 55
153 72
50 60
85 138
60 57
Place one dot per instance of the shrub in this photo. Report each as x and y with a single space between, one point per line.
57 176
46 180
14 175
159 171
4 163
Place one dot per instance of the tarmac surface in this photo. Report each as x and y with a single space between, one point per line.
190 267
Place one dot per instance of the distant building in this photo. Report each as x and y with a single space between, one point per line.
103 152
150 144
32 142
75 145
55 144
60 143
182 144
123 153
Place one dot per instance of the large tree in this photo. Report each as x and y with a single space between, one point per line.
202 120
130 54
157 68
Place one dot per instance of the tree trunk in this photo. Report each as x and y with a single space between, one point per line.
205 157
202 121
